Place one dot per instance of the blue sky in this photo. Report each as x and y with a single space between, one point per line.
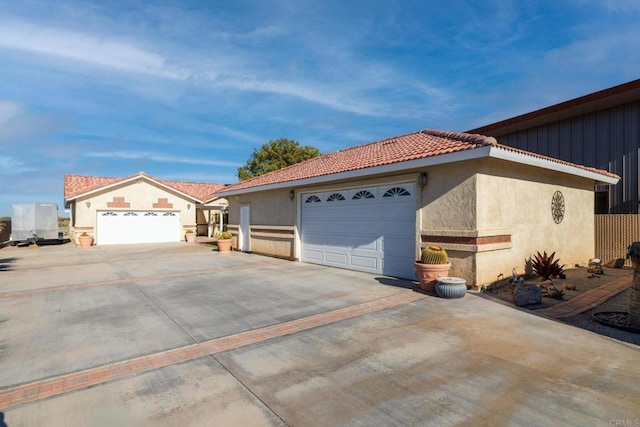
185 90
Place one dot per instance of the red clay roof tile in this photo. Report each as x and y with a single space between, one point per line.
411 146
76 185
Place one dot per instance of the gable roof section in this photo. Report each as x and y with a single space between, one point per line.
80 185
596 101
418 149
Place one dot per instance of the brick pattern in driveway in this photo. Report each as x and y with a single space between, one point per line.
38 390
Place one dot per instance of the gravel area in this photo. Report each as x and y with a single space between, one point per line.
619 302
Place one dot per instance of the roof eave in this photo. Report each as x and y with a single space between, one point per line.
516 157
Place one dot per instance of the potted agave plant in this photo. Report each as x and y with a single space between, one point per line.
224 241
433 263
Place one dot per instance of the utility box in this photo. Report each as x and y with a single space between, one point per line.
34 221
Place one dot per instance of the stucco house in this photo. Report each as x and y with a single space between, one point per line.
372 207
140 208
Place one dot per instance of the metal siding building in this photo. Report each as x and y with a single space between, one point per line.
600 130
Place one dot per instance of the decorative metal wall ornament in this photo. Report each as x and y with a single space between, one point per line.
557 207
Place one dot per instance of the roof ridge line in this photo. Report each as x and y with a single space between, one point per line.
463 137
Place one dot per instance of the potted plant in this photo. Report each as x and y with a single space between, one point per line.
190 236
451 287
433 263
224 241
85 240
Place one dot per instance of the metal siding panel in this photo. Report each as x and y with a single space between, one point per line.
522 140
578 135
532 140
554 140
605 138
543 140
565 140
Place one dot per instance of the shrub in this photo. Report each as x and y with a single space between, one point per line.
225 235
547 266
434 255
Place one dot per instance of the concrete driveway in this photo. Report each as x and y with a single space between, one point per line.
176 334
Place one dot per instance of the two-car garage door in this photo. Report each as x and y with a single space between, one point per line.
116 227
368 229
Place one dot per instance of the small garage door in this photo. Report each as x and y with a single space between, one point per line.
116 227
368 229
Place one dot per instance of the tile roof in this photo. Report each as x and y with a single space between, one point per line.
411 146
77 185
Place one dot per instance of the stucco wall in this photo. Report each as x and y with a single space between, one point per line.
265 208
141 195
449 198
517 198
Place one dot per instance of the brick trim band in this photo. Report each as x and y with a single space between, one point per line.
463 240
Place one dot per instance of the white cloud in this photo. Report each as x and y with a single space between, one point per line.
140 155
228 66
92 49
11 165
18 124
612 50
9 111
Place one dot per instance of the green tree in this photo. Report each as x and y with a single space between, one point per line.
275 155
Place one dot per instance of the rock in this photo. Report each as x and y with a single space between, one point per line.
527 293
569 287
615 263
595 270
553 292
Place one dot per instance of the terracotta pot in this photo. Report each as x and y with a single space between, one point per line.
190 237
85 241
224 245
428 273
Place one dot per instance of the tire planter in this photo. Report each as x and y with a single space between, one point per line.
451 287
428 273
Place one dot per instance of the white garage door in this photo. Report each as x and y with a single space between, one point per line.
369 229
116 227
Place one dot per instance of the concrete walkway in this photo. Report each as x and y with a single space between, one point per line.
586 300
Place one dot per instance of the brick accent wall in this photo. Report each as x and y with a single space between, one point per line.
163 203
118 202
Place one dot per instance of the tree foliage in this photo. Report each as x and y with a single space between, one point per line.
275 155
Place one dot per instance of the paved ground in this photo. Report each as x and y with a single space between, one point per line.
176 334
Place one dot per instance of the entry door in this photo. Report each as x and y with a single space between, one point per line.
244 237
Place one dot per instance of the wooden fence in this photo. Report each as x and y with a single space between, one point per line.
614 233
